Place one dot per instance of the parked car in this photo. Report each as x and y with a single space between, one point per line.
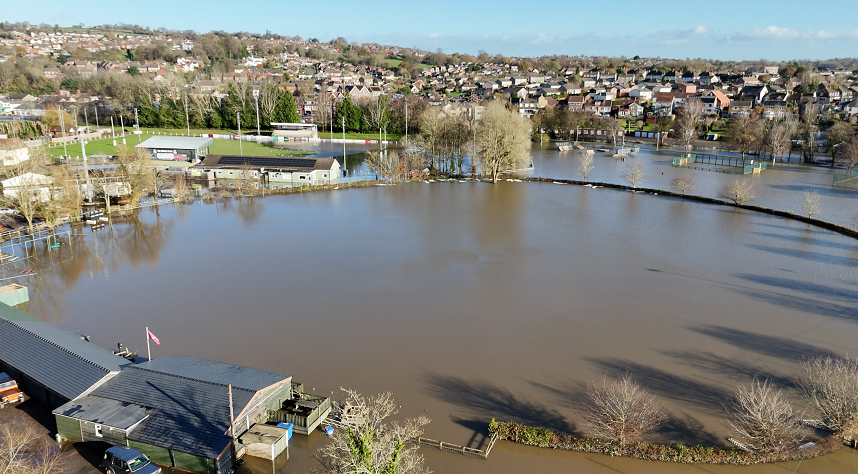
125 460
9 391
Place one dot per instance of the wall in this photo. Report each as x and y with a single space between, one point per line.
109 434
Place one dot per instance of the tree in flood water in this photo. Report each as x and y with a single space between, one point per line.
503 140
634 172
688 120
682 184
830 384
621 410
810 204
585 166
738 191
370 444
762 419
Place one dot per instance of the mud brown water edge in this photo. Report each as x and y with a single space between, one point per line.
470 301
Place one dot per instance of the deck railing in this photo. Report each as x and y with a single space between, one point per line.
457 449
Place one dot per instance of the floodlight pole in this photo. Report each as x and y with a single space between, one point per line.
187 118
137 125
238 122
256 97
62 118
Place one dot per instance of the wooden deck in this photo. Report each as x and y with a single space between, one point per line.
457 449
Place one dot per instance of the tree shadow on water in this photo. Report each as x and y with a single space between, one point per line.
736 369
847 312
772 346
667 385
494 401
807 255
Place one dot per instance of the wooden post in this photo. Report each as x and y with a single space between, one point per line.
231 415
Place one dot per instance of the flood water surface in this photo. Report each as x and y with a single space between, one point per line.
470 301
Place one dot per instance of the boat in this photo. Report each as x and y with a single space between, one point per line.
602 150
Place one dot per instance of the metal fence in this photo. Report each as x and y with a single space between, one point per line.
840 178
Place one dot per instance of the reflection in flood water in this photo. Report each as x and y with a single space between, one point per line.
470 301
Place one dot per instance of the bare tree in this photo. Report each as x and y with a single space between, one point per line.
682 184
634 172
503 139
849 155
31 186
383 163
621 411
688 120
371 444
322 115
839 134
810 204
738 191
830 384
779 137
746 132
23 450
585 166
762 419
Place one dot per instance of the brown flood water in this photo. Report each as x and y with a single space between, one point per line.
470 301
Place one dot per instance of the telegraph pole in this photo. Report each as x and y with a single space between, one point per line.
137 125
345 169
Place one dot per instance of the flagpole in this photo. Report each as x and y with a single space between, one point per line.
148 351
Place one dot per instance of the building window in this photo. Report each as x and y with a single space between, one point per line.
98 431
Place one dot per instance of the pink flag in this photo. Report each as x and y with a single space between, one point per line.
152 336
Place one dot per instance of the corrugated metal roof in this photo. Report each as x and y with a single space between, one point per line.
190 416
104 411
57 359
185 143
213 372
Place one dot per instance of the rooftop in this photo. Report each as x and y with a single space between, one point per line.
176 142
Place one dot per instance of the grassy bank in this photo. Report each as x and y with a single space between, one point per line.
543 438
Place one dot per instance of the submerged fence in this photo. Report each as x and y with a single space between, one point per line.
840 178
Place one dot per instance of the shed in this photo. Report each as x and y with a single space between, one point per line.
175 409
52 365
277 171
191 149
265 441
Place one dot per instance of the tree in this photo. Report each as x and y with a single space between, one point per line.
503 140
31 187
382 163
762 419
810 204
688 119
738 191
839 134
285 110
351 113
23 450
746 132
830 384
779 137
849 156
376 114
682 184
370 444
634 172
585 166
621 411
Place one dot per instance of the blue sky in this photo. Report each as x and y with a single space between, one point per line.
729 29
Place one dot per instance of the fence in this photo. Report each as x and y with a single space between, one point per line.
840 178
455 448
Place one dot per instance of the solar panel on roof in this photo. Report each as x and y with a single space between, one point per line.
261 161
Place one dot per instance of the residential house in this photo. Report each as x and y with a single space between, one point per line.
755 93
575 103
741 107
775 109
629 109
642 94
527 107
664 104
598 107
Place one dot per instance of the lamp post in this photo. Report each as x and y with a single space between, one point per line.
137 125
256 98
